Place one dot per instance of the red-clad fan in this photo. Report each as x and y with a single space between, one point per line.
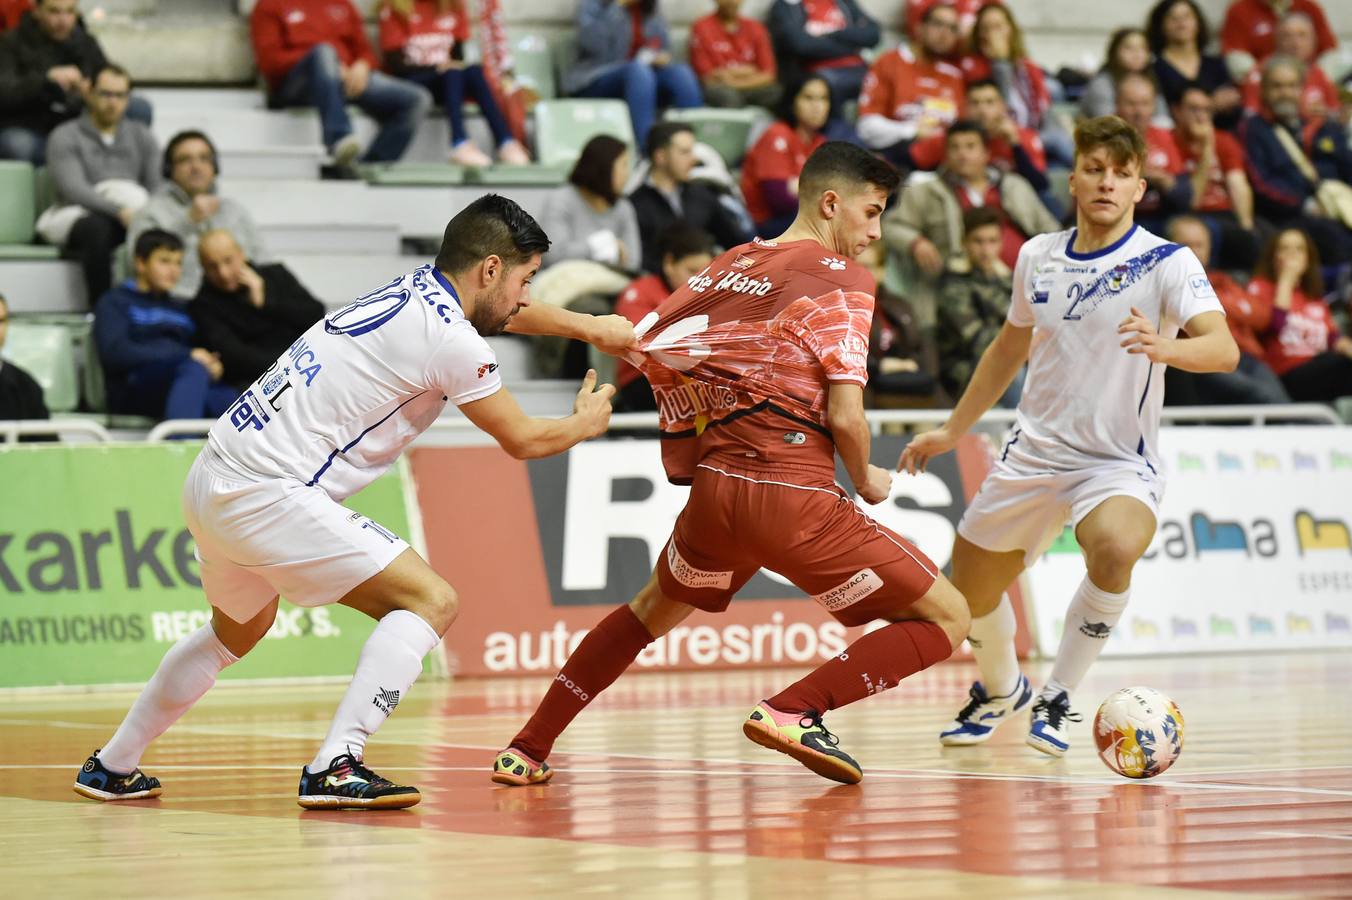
966 10
1251 26
733 58
772 166
758 365
11 11
1012 148
1213 161
1167 190
1296 38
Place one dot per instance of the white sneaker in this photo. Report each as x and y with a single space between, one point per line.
345 151
470 156
978 719
513 154
1049 728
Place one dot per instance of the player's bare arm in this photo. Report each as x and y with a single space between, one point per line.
524 437
610 334
996 369
850 430
1207 347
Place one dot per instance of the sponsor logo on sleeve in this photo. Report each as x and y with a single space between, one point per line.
1201 287
487 368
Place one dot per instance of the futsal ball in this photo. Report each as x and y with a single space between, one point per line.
1139 732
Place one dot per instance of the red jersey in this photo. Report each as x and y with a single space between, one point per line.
740 358
642 296
825 17
1306 330
778 155
1229 158
1251 25
713 47
1317 88
11 11
1011 238
1033 98
902 87
1245 319
928 153
426 37
284 31
966 10
1162 153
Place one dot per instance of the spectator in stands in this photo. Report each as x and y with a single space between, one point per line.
1128 53
590 218
153 360
20 395
973 302
1291 157
668 195
187 205
966 10
1302 342
624 50
913 93
103 167
1250 27
1296 39
1213 162
315 53
902 358
424 42
772 165
924 229
733 58
247 313
826 38
685 253
996 51
1168 191
1252 381
11 11
47 66
1179 36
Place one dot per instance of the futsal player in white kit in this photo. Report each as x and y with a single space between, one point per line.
1096 312
262 500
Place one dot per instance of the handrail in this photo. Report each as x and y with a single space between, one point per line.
12 429
179 427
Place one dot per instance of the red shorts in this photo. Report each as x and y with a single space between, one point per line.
738 521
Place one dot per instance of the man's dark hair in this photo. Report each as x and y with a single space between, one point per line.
115 69
840 166
662 134
490 226
965 126
979 217
594 167
983 83
681 240
154 239
1188 88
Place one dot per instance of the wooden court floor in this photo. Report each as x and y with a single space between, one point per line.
659 795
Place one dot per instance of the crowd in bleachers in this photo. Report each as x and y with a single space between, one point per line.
1248 164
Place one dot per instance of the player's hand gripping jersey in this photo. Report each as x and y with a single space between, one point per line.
340 405
740 358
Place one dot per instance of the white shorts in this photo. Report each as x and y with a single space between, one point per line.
258 539
1019 510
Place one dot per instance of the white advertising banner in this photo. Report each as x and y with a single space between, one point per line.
1253 549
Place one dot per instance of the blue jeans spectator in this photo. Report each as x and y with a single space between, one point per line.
451 88
30 145
176 389
643 86
396 104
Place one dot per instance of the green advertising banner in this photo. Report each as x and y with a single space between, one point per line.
98 578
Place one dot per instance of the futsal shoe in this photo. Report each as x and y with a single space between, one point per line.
977 721
98 783
347 784
805 738
516 769
1049 730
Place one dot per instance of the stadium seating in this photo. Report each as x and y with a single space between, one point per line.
726 130
47 353
563 127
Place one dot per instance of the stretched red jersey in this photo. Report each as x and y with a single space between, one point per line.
740 358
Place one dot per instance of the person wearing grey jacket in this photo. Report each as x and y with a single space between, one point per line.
614 61
188 206
104 165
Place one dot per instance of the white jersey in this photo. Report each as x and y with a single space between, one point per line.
1087 400
340 405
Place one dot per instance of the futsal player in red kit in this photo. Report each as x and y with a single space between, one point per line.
758 364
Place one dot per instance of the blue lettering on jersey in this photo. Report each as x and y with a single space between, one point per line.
1086 299
247 412
303 358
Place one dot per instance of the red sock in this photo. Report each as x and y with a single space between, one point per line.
872 664
604 653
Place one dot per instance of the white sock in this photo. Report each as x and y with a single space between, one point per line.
390 662
992 643
187 672
1089 621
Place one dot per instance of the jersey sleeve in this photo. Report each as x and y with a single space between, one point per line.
835 328
1020 313
465 368
1187 290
